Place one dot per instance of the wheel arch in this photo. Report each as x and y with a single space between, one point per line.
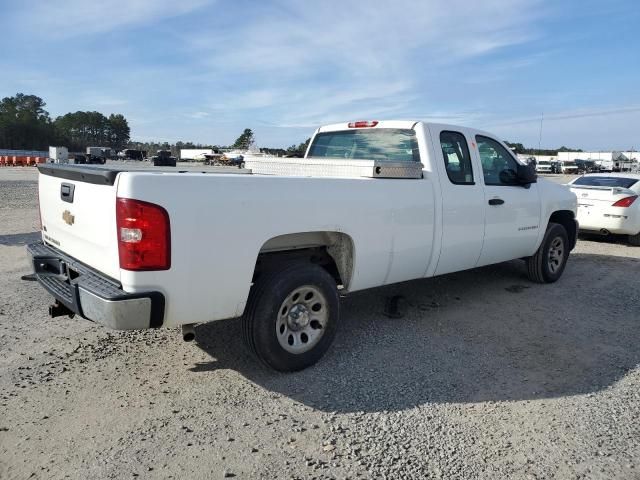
334 251
567 219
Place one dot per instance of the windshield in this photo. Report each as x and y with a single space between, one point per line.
383 144
621 182
570 164
543 163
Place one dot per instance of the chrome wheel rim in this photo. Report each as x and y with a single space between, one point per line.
556 254
302 319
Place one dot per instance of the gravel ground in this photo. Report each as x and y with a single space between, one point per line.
486 376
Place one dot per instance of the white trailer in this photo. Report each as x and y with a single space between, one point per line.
195 153
58 155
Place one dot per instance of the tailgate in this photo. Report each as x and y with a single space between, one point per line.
79 218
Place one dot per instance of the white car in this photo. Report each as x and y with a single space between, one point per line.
608 203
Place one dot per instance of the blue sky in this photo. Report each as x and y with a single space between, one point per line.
202 70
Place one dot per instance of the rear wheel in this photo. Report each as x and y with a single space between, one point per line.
635 239
292 316
549 261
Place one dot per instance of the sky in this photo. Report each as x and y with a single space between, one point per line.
203 70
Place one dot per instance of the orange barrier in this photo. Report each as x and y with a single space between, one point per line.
20 160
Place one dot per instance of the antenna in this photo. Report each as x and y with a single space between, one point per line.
540 136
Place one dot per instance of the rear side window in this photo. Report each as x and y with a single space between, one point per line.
457 160
597 181
382 144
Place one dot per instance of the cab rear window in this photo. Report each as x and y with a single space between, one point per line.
595 181
381 144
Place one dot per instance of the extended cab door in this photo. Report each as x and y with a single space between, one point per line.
512 213
462 193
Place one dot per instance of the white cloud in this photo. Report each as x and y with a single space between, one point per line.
67 18
345 59
197 115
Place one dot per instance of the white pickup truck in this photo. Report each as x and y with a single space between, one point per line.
372 203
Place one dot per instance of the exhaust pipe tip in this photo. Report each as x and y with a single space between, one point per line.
604 231
188 332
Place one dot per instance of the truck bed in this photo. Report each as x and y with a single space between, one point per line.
107 174
232 211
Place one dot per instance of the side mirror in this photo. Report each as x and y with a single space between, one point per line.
526 175
509 177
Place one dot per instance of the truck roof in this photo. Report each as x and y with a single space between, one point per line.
401 124
404 124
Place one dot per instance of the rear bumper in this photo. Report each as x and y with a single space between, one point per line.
612 220
92 295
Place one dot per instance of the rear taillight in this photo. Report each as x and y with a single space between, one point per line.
144 235
363 124
625 202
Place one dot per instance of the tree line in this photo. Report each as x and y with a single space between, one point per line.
26 125
245 141
521 149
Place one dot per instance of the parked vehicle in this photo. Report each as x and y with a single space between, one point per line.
544 166
132 154
567 167
58 155
164 159
605 165
234 158
79 159
210 158
98 155
608 204
371 204
586 166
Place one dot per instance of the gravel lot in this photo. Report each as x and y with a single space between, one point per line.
486 376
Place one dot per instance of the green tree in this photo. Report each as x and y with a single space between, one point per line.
24 123
84 129
298 150
119 131
245 140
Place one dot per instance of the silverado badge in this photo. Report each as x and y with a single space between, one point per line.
68 217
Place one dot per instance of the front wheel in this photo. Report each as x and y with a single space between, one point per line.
547 264
292 315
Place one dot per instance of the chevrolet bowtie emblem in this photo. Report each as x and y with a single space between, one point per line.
68 217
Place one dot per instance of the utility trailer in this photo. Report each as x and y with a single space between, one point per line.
58 155
98 155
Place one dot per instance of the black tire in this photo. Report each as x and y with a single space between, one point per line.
634 240
263 312
541 267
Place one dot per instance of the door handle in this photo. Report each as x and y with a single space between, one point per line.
66 192
496 201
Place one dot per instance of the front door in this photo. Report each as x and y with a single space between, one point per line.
512 213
